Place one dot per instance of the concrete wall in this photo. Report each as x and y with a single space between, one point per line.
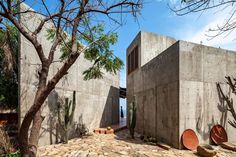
155 86
151 44
200 106
176 90
97 100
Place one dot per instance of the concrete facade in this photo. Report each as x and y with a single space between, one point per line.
175 88
97 100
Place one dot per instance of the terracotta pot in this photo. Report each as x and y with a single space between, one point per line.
218 134
190 139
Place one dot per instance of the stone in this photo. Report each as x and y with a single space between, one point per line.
109 146
92 154
106 154
123 153
84 154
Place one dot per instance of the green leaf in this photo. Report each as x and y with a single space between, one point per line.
66 49
51 32
93 73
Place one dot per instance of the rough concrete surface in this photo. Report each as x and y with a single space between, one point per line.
175 86
97 100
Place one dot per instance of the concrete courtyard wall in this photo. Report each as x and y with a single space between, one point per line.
201 67
176 90
156 97
97 100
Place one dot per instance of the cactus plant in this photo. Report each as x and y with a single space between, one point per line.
132 118
67 111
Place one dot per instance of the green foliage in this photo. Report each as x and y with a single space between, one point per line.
98 49
15 154
99 52
66 110
132 118
9 85
66 49
51 34
92 72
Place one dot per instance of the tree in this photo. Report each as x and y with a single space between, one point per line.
77 29
8 66
194 6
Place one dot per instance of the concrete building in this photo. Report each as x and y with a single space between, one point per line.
175 87
97 100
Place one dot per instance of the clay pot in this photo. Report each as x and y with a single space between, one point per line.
218 134
190 139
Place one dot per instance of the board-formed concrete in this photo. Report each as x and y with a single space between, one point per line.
97 100
175 88
201 67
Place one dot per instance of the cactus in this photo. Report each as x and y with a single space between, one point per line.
132 118
68 114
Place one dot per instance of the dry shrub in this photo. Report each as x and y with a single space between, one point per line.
5 144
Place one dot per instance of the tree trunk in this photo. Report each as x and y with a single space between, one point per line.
31 115
34 134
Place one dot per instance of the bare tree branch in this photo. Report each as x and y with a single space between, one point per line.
194 6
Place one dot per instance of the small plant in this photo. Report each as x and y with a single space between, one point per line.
66 110
6 148
132 118
15 154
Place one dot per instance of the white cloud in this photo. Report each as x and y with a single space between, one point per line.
226 41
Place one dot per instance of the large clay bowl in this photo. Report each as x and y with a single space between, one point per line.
218 134
189 139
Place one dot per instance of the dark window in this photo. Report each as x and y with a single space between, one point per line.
129 66
136 57
133 60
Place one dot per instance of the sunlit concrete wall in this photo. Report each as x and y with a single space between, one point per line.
97 100
155 85
176 89
201 67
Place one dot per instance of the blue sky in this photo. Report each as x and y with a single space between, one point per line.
158 18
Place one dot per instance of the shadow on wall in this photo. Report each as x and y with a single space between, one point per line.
110 114
222 107
201 113
53 128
